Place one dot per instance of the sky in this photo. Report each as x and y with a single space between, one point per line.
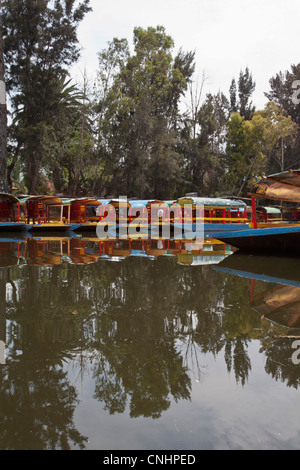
226 35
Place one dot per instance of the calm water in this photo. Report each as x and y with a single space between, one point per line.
146 345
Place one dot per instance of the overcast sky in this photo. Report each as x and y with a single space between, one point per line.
227 35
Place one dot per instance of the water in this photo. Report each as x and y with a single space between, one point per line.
146 345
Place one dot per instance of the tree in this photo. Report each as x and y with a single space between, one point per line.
280 134
40 44
241 93
202 143
70 141
255 145
282 93
3 112
139 113
244 156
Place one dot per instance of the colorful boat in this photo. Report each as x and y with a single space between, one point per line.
10 213
82 213
285 239
211 215
45 213
112 214
281 237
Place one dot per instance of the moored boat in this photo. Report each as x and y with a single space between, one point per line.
285 239
281 237
44 213
10 215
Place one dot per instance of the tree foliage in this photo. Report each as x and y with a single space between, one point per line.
131 133
138 112
40 45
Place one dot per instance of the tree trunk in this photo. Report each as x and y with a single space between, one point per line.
3 117
33 174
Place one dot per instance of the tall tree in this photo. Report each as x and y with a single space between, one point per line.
40 44
3 112
139 115
285 95
244 156
257 146
202 142
240 95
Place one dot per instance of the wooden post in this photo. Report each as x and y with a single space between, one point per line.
252 289
254 218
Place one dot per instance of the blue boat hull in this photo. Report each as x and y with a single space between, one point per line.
12 226
279 240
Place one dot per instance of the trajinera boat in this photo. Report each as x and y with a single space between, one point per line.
282 237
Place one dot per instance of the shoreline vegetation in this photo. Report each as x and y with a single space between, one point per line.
129 132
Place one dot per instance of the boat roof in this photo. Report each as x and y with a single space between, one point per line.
104 201
51 200
284 186
212 202
86 201
117 202
270 209
144 202
171 202
139 202
9 197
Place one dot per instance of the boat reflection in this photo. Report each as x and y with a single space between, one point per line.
280 304
51 250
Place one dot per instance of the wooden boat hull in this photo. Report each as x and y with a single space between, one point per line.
279 240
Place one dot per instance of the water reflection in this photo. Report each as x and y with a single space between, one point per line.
278 303
139 316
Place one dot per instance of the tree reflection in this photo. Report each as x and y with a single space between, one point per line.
146 324
279 365
37 402
36 407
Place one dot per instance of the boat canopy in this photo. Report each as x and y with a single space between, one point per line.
270 209
213 203
104 201
4 197
49 200
283 186
140 202
86 201
117 202
170 203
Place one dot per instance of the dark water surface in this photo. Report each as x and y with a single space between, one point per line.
147 345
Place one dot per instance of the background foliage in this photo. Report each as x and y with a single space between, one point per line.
130 133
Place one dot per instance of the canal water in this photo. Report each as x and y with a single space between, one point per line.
153 344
